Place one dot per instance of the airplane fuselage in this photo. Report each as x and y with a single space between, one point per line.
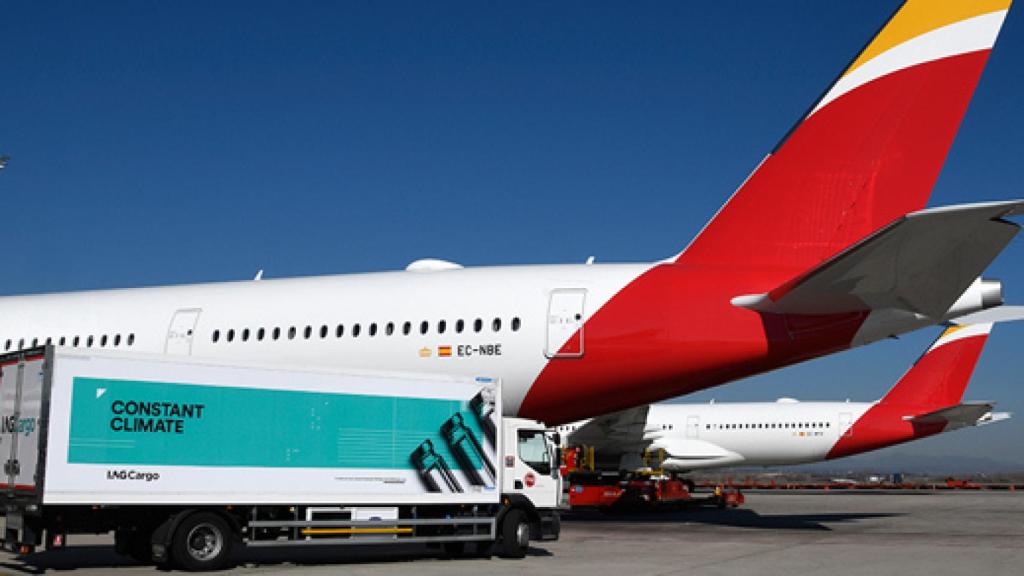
569 341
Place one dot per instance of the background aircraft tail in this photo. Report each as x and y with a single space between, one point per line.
868 151
926 401
939 377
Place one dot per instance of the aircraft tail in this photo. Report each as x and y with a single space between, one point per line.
868 151
939 377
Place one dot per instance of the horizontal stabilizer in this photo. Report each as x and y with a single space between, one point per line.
960 416
921 263
993 417
992 316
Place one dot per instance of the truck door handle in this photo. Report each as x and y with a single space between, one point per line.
518 484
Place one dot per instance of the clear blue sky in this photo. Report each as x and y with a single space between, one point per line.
160 142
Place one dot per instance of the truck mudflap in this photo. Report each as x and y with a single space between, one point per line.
550 525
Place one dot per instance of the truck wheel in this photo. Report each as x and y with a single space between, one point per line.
202 542
515 534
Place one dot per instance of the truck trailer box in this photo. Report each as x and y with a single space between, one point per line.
96 427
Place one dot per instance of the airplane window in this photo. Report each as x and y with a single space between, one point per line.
75 344
339 331
215 336
88 343
373 329
390 328
261 333
231 335
707 426
103 340
49 340
307 332
245 335
459 326
478 325
406 327
63 341
131 338
291 333
496 324
828 425
277 332
441 326
515 324
323 331
35 342
355 330
7 346
117 340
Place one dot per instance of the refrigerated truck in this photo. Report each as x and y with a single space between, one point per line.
185 459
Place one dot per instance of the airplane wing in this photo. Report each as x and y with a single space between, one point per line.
624 435
921 262
961 415
686 454
614 433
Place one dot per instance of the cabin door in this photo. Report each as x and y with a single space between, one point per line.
693 426
181 332
565 323
846 424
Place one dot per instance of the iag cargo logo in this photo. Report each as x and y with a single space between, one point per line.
12 425
136 475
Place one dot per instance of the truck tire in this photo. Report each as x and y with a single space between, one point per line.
515 534
202 541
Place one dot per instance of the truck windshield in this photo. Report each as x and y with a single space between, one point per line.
533 450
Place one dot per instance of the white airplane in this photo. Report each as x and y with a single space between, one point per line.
827 245
684 437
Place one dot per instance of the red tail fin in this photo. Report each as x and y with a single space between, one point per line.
868 152
938 379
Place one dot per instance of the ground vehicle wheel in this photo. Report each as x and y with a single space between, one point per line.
201 542
515 534
454 549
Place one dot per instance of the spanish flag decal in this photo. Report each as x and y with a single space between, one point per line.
444 351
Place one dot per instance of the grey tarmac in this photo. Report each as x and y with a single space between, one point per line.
828 533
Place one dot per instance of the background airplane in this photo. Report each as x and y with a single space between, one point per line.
826 246
926 401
